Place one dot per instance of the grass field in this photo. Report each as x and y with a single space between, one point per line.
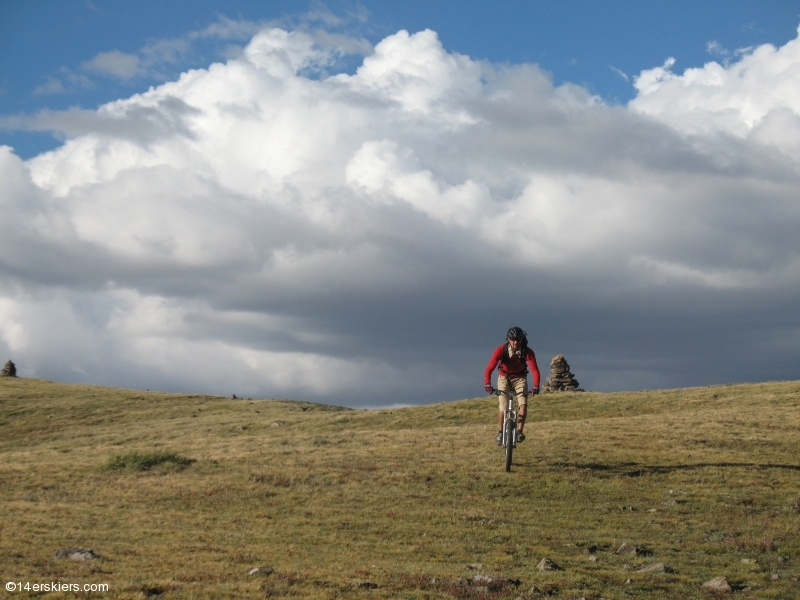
181 496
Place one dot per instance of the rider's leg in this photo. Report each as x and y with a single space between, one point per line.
505 390
521 392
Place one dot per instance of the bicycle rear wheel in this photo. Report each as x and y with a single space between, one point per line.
510 431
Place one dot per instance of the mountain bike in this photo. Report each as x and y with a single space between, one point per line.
510 426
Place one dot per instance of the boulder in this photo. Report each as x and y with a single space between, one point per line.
548 565
655 568
76 554
626 548
718 584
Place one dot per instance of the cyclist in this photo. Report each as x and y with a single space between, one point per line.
510 359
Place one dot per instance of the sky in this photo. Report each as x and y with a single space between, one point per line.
352 202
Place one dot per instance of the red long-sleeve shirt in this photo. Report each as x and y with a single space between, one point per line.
511 367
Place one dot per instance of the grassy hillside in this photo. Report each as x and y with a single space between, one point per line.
181 495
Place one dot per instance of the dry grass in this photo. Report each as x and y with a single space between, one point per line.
706 479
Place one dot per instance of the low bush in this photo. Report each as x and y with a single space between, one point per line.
144 461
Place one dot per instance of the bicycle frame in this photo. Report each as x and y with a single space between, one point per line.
509 415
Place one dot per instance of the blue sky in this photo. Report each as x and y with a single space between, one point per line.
590 43
352 202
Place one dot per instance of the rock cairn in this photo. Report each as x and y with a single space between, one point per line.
560 379
9 370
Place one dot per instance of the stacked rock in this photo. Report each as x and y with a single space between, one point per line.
560 379
9 370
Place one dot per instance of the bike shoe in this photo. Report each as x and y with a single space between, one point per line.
520 437
499 438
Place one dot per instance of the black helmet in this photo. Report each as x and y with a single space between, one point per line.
516 333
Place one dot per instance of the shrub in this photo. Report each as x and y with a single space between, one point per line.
144 461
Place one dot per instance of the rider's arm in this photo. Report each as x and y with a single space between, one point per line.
534 368
493 362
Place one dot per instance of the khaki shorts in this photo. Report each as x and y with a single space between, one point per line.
517 387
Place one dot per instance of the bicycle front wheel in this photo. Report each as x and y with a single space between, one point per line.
510 431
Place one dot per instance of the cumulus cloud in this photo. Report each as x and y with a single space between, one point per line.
264 227
732 99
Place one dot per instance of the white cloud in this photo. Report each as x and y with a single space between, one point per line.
732 99
116 63
260 227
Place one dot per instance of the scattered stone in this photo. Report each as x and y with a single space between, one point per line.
475 566
548 565
627 582
796 502
655 568
493 584
718 584
363 585
9 370
626 548
560 379
260 571
593 558
76 554
775 577
278 423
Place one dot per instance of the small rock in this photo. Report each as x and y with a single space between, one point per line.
593 558
475 566
77 554
656 568
260 571
548 565
494 583
277 423
718 584
626 548
363 585
592 549
775 577
627 582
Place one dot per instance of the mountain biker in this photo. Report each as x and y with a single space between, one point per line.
510 359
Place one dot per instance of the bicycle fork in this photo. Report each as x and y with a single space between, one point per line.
510 415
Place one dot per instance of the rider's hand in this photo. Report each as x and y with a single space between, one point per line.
488 387
534 391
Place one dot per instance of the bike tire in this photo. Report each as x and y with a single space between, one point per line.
509 435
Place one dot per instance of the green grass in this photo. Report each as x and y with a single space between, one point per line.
144 461
408 499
